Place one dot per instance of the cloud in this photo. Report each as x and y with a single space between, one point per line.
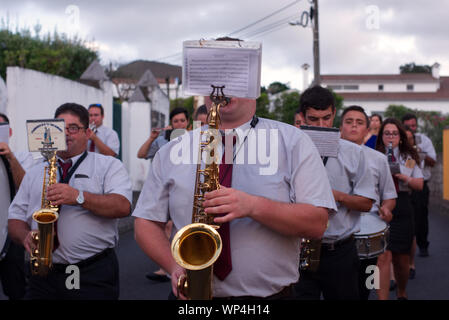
351 39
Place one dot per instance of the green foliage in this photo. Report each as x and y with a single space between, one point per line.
262 106
338 108
286 106
186 103
431 123
414 68
397 111
277 87
55 54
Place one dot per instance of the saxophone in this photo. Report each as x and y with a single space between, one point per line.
198 245
46 217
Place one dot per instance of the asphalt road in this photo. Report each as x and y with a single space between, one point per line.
431 282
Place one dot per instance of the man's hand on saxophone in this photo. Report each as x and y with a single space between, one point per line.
62 193
229 202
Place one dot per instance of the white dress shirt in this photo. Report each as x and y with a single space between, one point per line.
348 173
109 137
81 233
384 184
426 146
286 167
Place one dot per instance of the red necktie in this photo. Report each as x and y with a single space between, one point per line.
396 180
223 265
65 170
92 146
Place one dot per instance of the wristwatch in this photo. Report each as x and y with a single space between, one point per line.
80 198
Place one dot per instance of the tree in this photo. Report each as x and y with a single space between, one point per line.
397 111
277 87
414 68
55 54
286 106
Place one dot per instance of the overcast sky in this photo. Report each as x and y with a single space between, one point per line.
356 36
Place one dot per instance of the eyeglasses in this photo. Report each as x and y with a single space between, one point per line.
73 129
391 134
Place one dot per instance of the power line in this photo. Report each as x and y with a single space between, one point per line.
269 26
264 18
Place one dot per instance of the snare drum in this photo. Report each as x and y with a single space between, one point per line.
371 240
6 192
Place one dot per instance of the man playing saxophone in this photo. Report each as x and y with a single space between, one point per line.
268 211
92 192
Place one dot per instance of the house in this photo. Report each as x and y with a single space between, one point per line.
422 91
168 76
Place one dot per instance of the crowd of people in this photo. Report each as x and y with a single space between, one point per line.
267 216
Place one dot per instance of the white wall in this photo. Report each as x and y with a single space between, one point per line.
136 128
388 86
36 95
3 96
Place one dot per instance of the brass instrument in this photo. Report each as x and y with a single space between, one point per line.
310 255
198 245
41 256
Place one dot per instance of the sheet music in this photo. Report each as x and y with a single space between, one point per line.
325 140
233 64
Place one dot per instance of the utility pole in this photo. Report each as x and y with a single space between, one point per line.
316 43
313 16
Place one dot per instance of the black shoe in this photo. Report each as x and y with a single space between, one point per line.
423 252
412 274
157 277
402 298
392 285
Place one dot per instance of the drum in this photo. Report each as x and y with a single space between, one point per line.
371 240
6 192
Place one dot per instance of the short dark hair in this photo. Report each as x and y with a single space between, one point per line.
409 116
97 105
76 110
179 110
376 115
358 109
5 118
201 110
316 97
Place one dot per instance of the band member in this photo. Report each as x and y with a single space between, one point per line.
93 194
268 212
354 128
12 273
420 199
410 178
103 140
179 119
352 185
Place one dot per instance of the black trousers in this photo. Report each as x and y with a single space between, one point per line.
98 280
337 277
420 203
12 272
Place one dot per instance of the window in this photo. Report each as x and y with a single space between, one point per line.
410 87
351 87
334 87
380 87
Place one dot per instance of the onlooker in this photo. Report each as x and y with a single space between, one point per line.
103 140
374 126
